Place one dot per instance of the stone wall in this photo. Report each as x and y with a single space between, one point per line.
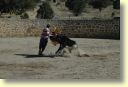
72 28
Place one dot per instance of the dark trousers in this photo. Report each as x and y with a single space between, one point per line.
42 45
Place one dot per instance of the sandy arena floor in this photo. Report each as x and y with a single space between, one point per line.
19 60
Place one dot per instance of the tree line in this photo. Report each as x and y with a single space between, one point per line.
45 11
17 6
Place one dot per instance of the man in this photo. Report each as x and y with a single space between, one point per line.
44 39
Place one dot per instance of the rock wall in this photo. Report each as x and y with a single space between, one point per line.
72 28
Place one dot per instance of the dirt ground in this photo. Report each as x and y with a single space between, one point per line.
19 60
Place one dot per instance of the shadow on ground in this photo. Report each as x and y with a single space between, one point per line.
35 56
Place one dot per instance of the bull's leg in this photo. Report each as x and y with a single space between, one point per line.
40 52
60 49
70 49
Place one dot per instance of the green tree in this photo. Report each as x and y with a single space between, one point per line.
99 4
76 6
7 6
24 16
45 11
69 4
116 4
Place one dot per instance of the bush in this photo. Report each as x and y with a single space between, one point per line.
99 4
76 6
17 6
45 11
116 4
69 4
24 16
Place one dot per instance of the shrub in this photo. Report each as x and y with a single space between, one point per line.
116 4
45 11
69 4
24 16
76 6
17 6
99 4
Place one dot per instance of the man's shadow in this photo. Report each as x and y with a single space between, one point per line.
35 56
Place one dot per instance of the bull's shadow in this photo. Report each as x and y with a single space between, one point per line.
35 56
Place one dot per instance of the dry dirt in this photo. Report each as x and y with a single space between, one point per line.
19 60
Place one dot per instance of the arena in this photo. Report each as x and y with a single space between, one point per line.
19 60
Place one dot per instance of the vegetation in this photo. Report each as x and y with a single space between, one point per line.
24 16
99 4
76 6
45 11
116 4
17 6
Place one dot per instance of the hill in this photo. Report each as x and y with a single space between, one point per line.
62 12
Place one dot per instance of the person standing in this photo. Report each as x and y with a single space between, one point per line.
44 39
